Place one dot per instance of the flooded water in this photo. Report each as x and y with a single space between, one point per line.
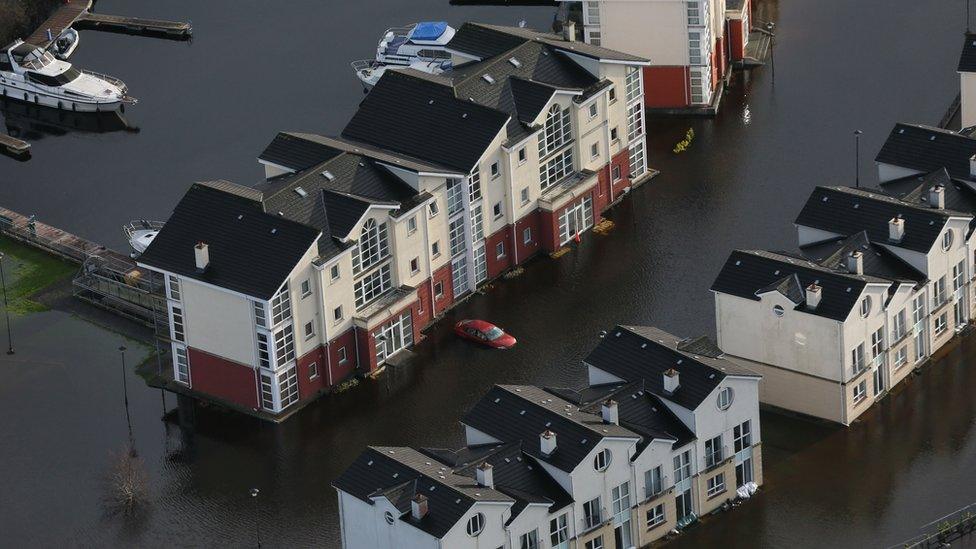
207 109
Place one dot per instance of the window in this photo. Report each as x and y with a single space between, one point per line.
865 306
655 516
267 392
499 250
337 313
860 391
616 173
496 210
281 306
713 451
591 513
476 524
558 530
525 196
612 94
694 48
390 519
602 460
594 151
342 355
857 359
527 235
715 485
594 110
306 288
557 131
592 13
947 240
494 170
455 233
899 325
694 14
778 310
529 540
742 436
653 482
260 316
918 310
941 323
174 288
725 398
637 165
373 246
415 265
313 371
334 273
939 292
901 356
620 499
182 364
264 350
682 505
439 290
372 286
411 225
632 84
595 543
682 466
432 210
556 168
284 345
435 249
959 275
613 134
635 121
474 186
309 330
521 155
877 343
179 330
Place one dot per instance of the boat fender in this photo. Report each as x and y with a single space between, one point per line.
74 106
122 108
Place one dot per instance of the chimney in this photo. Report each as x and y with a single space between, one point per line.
855 263
813 296
547 442
610 412
202 253
418 507
896 229
671 383
485 477
569 31
937 197
972 166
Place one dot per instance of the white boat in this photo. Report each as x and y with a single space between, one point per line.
65 44
370 72
140 234
420 46
29 73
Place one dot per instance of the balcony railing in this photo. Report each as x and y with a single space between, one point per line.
878 361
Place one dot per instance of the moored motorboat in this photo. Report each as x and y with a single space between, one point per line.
64 45
421 46
140 234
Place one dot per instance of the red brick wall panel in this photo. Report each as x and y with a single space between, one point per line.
666 87
223 379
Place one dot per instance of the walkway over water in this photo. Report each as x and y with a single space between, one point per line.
78 13
61 19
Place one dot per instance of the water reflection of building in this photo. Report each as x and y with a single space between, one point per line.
667 430
352 244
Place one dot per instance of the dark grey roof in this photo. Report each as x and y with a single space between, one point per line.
846 211
345 210
529 98
513 413
960 194
644 353
701 345
423 119
485 41
297 153
925 148
389 472
967 59
369 151
251 252
789 286
746 272
877 260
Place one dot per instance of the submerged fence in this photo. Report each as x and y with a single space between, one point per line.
942 532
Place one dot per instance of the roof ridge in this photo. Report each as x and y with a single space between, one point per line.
881 196
499 58
810 265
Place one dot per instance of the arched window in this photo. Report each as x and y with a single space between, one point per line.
557 132
725 398
373 246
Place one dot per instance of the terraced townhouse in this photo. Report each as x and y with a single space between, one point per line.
279 291
668 430
689 42
880 282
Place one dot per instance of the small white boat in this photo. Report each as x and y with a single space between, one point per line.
140 234
65 44
29 73
369 72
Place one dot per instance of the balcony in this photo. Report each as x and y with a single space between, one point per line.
384 307
567 189
592 521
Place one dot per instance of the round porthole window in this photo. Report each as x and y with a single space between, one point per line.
602 460
476 524
778 310
725 398
866 306
947 240
389 517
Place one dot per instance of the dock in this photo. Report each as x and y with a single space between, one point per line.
77 13
61 19
15 147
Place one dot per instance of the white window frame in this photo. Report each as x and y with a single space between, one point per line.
715 485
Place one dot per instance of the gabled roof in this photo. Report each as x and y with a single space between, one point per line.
513 413
251 252
295 152
369 151
846 211
484 41
345 210
924 148
746 272
967 59
421 118
644 353
877 260
392 472
788 286
960 194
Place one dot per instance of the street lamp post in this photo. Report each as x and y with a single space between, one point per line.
257 523
772 57
857 158
6 308
125 401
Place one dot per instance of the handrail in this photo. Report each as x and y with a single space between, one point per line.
110 79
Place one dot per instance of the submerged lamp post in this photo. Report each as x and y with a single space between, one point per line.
6 308
772 57
125 401
857 158
257 524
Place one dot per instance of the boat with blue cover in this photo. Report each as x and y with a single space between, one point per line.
421 46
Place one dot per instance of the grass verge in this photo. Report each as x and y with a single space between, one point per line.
27 271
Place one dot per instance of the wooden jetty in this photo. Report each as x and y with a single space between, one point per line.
77 13
15 147
61 19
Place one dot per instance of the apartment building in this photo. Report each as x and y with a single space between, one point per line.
614 465
878 285
967 81
689 42
280 291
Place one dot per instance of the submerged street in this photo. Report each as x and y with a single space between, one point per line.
208 108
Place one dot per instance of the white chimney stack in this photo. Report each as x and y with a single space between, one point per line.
814 292
418 507
937 197
610 412
202 254
547 442
485 477
569 31
855 263
896 229
972 166
671 382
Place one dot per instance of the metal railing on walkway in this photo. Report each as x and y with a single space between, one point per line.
943 531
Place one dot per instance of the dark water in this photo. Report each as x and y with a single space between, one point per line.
256 67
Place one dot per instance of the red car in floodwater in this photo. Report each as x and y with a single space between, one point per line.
485 333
